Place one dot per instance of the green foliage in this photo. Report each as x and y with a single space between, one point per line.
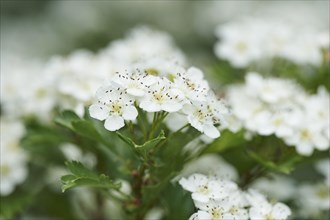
13 204
81 176
226 141
143 149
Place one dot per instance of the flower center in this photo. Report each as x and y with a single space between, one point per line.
203 189
305 134
323 192
241 46
4 170
116 107
216 214
269 217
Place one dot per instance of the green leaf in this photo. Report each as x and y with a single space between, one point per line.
86 129
14 204
66 118
286 166
143 149
273 154
226 141
81 176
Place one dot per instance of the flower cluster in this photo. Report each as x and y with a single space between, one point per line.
70 82
267 106
311 199
249 40
185 92
222 199
13 161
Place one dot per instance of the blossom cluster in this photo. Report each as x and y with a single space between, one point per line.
246 41
311 199
70 82
13 161
218 198
185 92
272 106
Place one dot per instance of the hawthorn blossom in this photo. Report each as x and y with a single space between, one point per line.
275 186
203 189
262 209
267 106
143 43
162 96
323 167
13 163
202 118
217 210
114 106
313 199
134 82
192 84
246 41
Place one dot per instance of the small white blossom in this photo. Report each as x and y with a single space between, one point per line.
201 115
261 209
114 106
313 199
162 96
203 189
268 106
13 168
323 166
134 82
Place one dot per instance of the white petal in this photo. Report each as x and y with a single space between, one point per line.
304 149
202 215
98 111
130 113
187 185
200 197
135 92
281 211
150 106
114 123
211 131
171 106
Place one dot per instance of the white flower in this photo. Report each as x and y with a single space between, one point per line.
268 106
313 199
162 96
217 210
306 138
203 189
211 165
201 116
143 43
192 84
276 187
76 78
238 44
261 209
323 166
13 169
134 82
245 41
114 106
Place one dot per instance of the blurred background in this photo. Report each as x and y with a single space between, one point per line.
38 29
35 31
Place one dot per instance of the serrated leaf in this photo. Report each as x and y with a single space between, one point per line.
81 176
143 149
